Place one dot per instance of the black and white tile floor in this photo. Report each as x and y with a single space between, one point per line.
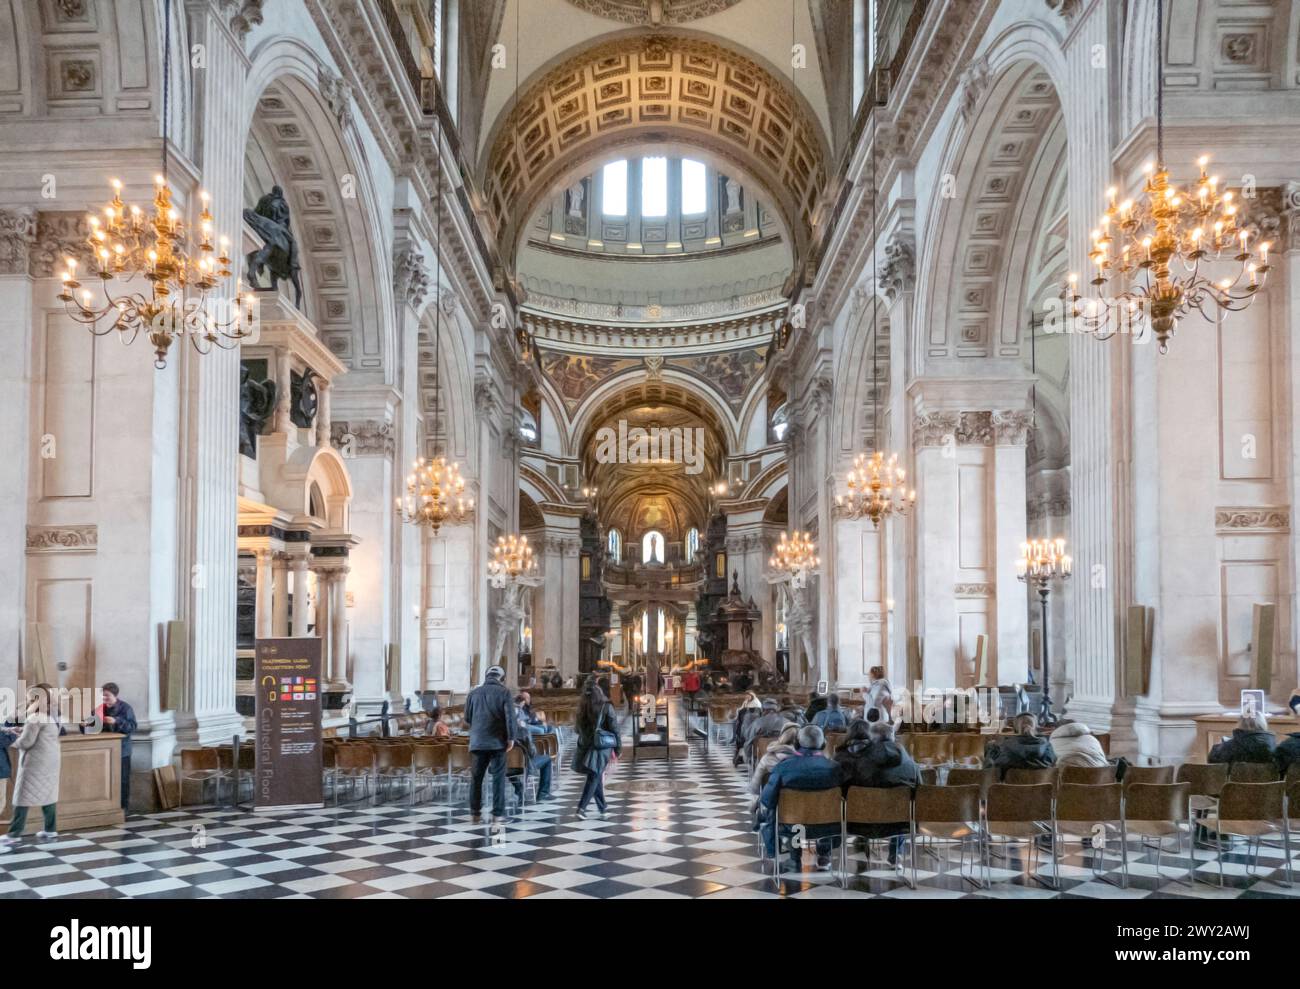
690 842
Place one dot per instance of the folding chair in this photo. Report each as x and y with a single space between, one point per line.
1019 813
1160 811
1253 811
806 808
946 814
1080 809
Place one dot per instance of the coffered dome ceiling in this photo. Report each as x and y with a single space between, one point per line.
654 11
661 90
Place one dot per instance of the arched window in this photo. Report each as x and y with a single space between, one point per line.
692 545
780 424
613 183
614 544
695 197
652 547
654 187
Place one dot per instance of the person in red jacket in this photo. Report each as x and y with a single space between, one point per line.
690 687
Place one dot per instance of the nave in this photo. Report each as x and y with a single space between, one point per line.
674 830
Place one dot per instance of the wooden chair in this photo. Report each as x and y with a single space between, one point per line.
1252 772
517 761
430 762
202 766
875 805
353 762
395 763
1103 739
948 815
1087 775
1206 784
1080 810
760 745
804 808
1160 811
1015 814
1159 775
967 748
835 739
932 750
459 766
1030 777
969 776
1253 811
721 716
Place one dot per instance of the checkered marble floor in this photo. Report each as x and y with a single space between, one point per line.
691 842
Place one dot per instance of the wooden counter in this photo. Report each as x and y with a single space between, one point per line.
1210 729
90 784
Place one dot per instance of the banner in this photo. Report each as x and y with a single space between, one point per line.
288 677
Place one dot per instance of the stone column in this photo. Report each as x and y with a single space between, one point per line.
1011 525
338 661
280 596
555 602
934 441
301 595
17 324
263 623
322 627
210 384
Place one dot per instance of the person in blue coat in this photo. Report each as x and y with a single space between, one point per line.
492 723
120 720
807 769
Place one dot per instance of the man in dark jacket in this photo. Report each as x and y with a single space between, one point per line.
807 769
490 717
815 707
873 758
770 723
1024 750
120 720
1251 741
1288 755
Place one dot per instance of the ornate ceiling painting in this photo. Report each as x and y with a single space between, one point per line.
654 11
732 372
575 375
659 88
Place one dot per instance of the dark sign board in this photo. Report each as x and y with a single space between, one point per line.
288 678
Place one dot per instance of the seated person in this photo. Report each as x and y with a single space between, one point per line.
780 750
769 723
872 757
1288 754
831 718
807 769
534 721
539 764
437 726
1024 750
816 706
1251 741
1075 745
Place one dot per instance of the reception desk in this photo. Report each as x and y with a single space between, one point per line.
90 784
1211 728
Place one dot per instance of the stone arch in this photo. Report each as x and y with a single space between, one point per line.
322 469
670 87
853 377
456 394
299 137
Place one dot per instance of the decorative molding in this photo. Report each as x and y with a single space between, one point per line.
247 16
411 278
934 429
337 94
898 270
1011 426
1049 506
1274 519
62 538
654 12
17 234
447 302
363 438
59 236
1069 9
975 590
975 429
974 85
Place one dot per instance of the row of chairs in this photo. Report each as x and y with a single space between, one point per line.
1007 813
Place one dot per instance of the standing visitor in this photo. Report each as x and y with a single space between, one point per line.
39 762
599 743
490 717
117 717
879 692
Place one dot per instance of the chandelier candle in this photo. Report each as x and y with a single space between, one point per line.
1042 561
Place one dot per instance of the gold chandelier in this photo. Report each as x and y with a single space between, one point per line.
876 483
181 276
435 493
795 558
512 560
1043 560
876 489
176 303
1163 241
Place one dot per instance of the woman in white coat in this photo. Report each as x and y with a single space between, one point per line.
1075 745
38 767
